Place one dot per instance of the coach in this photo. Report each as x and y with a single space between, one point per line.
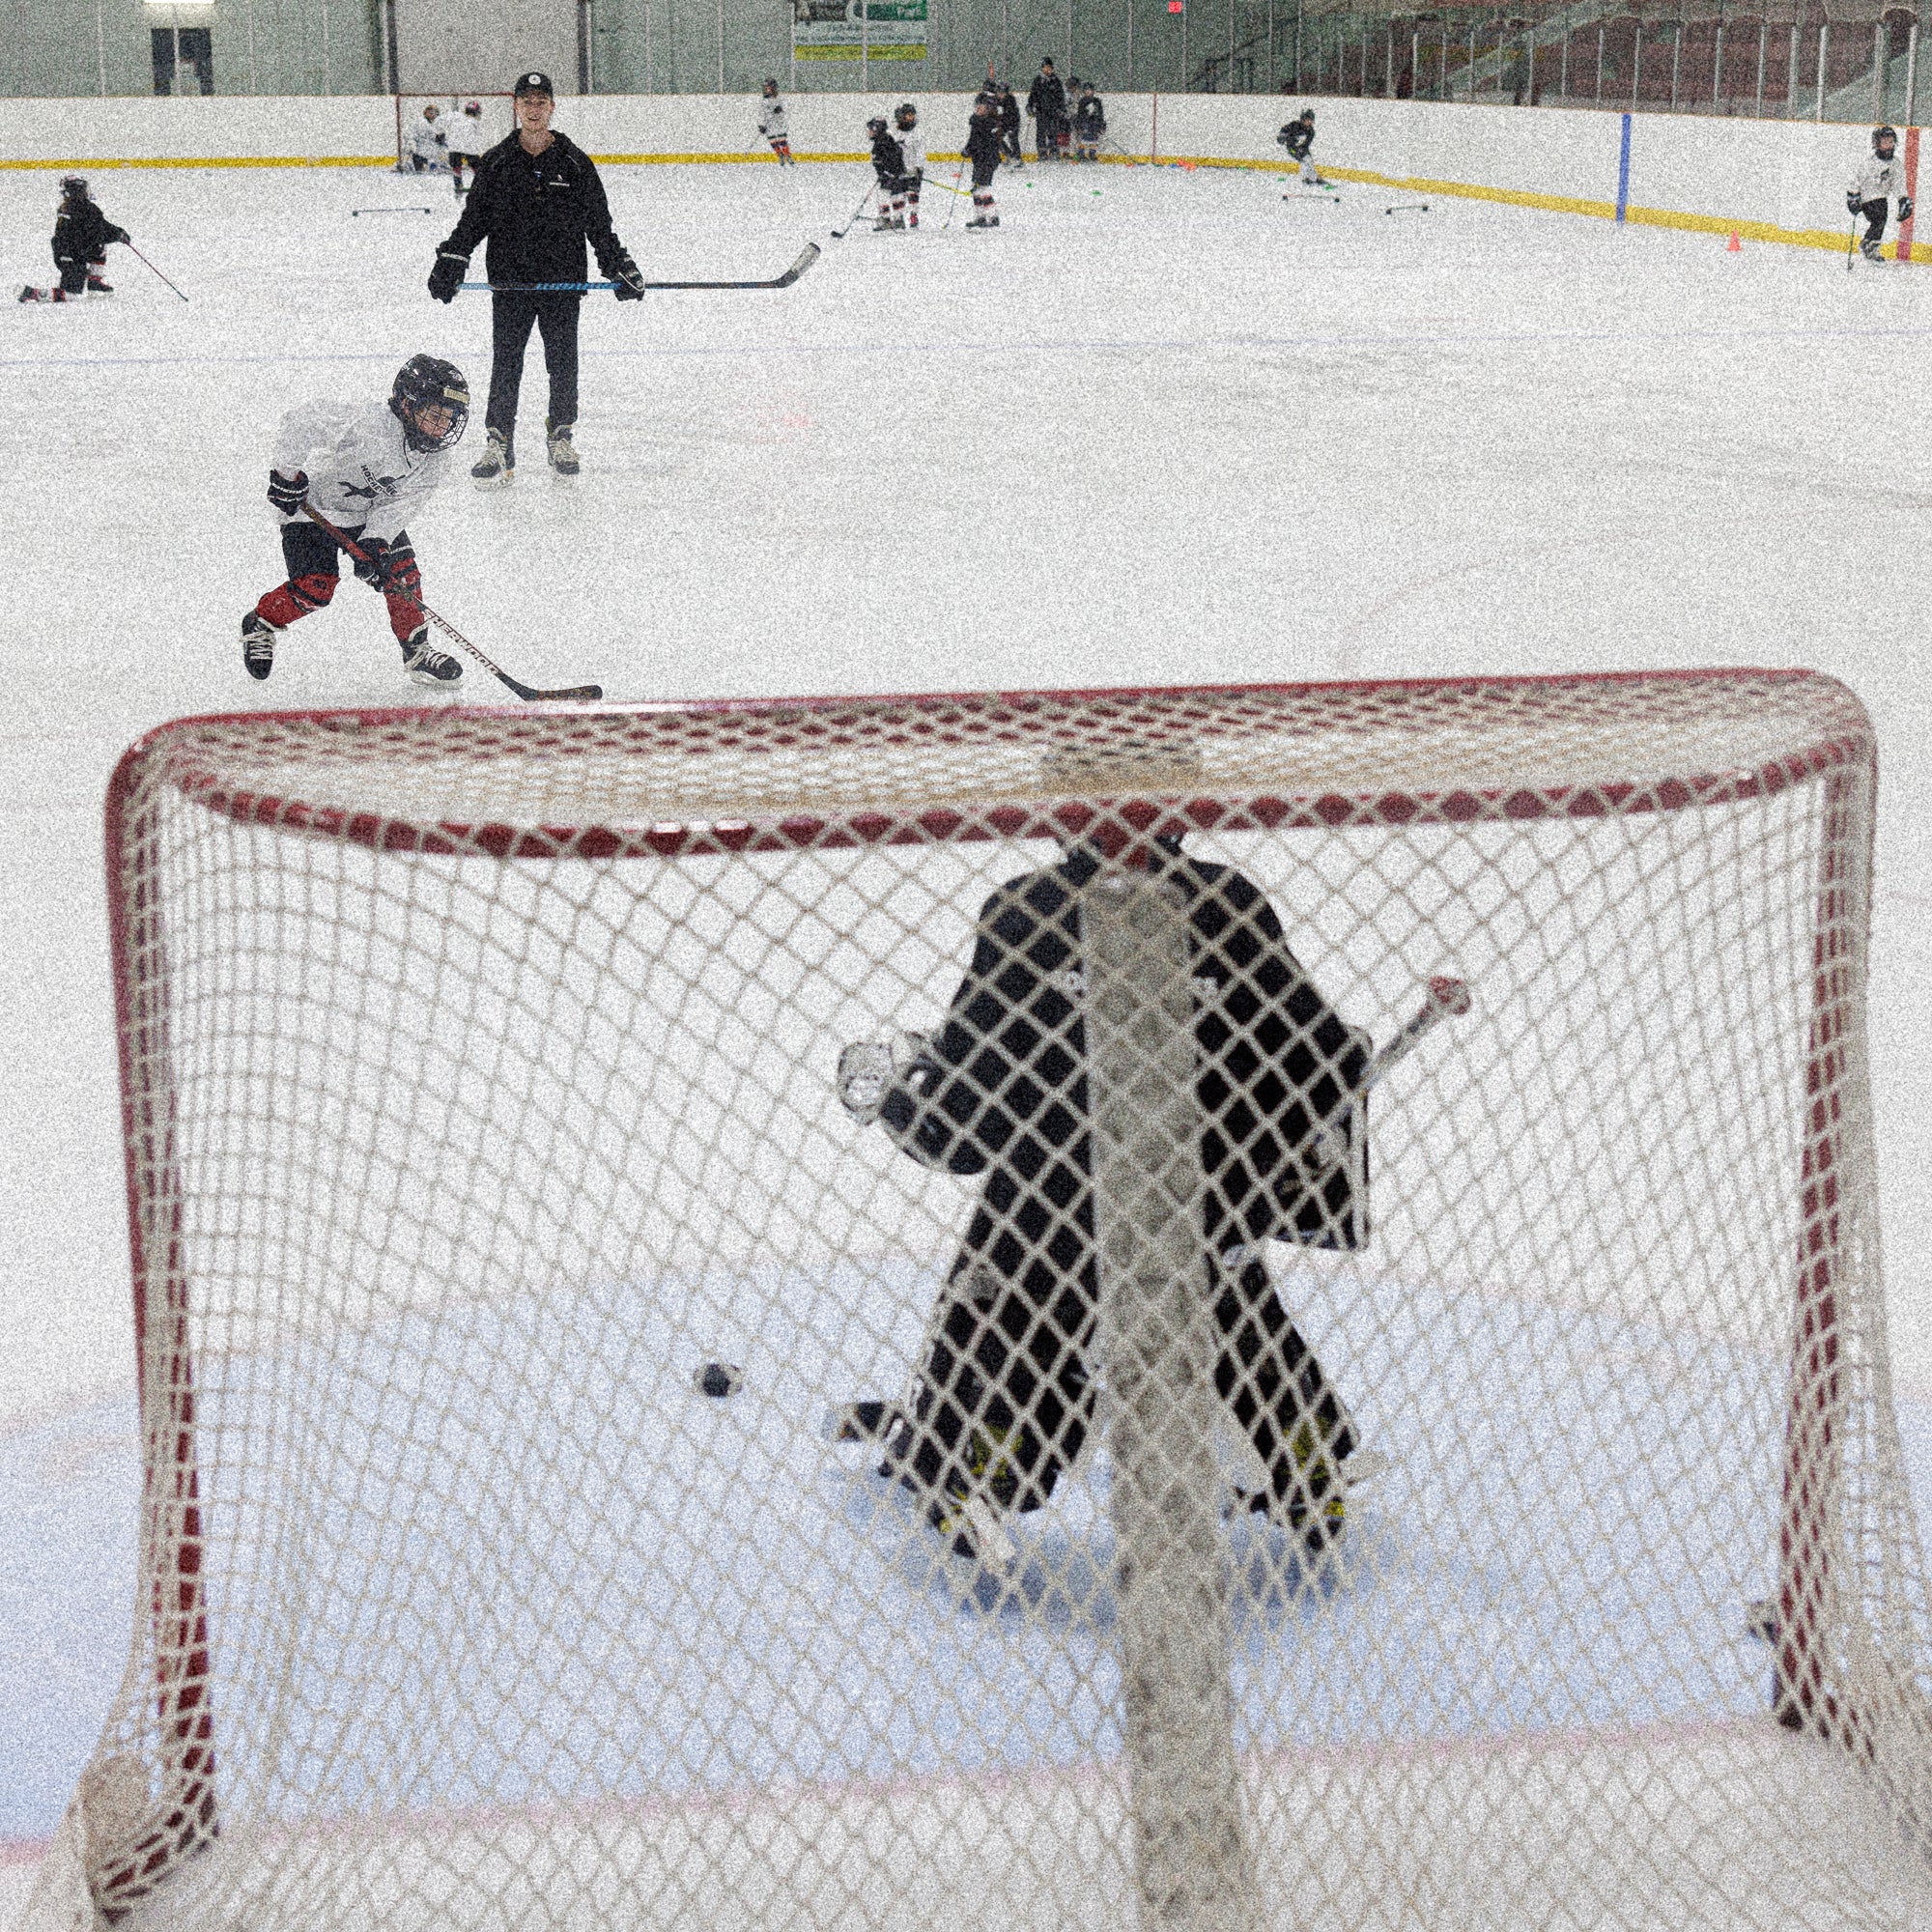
538 199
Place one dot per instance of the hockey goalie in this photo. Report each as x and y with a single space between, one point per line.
1003 1394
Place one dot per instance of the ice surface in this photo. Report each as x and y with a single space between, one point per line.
1160 427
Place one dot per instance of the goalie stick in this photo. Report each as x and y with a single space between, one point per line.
807 256
576 693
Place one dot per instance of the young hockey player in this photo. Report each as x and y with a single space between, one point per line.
1298 138
429 144
772 123
466 143
1870 194
1003 1394
81 235
912 165
1009 111
885 167
1090 122
364 469
983 151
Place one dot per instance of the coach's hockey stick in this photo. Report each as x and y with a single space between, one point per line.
576 693
839 234
150 267
783 281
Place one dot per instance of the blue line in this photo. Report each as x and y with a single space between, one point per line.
667 352
1624 172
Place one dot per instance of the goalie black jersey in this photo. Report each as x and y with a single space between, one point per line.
1004 1085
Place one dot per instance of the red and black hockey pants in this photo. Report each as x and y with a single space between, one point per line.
310 555
511 317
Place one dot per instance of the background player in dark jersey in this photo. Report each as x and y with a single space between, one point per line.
538 198
81 235
983 153
1090 122
1298 138
1003 1396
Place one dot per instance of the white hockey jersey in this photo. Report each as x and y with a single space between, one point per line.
912 145
1879 180
429 143
362 474
772 120
465 134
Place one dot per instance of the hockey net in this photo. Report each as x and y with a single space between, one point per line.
847 1313
497 117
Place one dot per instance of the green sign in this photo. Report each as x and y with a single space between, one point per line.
851 30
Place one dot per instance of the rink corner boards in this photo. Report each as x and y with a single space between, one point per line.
1556 204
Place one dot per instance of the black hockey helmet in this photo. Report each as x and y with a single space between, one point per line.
906 114
74 187
876 125
770 87
1882 134
429 382
1308 114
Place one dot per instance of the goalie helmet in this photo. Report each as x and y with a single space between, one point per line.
427 382
906 114
1885 140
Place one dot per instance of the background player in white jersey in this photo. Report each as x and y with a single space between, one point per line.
772 123
364 468
465 142
905 186
429 143
1876 185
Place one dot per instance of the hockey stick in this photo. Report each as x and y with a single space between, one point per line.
954 202
1851 242
149 266
576 693
396 208
839 234
1448 998
1404 207
783 281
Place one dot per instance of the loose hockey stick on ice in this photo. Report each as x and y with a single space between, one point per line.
149 266
398 208
783 281
839 234
576 693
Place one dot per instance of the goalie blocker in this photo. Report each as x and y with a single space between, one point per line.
1003 1394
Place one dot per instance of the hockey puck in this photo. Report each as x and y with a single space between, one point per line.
718 1379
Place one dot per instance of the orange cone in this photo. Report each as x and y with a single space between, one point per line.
1733 247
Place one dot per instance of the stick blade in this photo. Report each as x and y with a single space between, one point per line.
1449 995
807 257
576 693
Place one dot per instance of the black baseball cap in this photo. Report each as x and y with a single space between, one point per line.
533 82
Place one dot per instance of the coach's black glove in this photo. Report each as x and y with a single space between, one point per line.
1905 208
286 493
447 277
629 277
1853 204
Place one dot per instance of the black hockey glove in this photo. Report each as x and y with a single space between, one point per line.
1853 204
286 493
447 277
119 235
385 562
629 277
1905 208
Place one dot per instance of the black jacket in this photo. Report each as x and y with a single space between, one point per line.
1010 111
888 157
1046 97
1298 138
983 141
83 233
1002 1089
538 210
1090 118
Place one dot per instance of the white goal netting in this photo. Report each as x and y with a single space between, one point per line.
1219 1309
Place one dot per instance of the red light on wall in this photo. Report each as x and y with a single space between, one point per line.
1177 6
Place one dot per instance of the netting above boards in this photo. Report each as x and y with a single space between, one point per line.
1203 1308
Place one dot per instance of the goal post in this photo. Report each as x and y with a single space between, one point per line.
1205 1308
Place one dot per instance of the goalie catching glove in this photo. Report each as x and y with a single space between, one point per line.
868 1067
